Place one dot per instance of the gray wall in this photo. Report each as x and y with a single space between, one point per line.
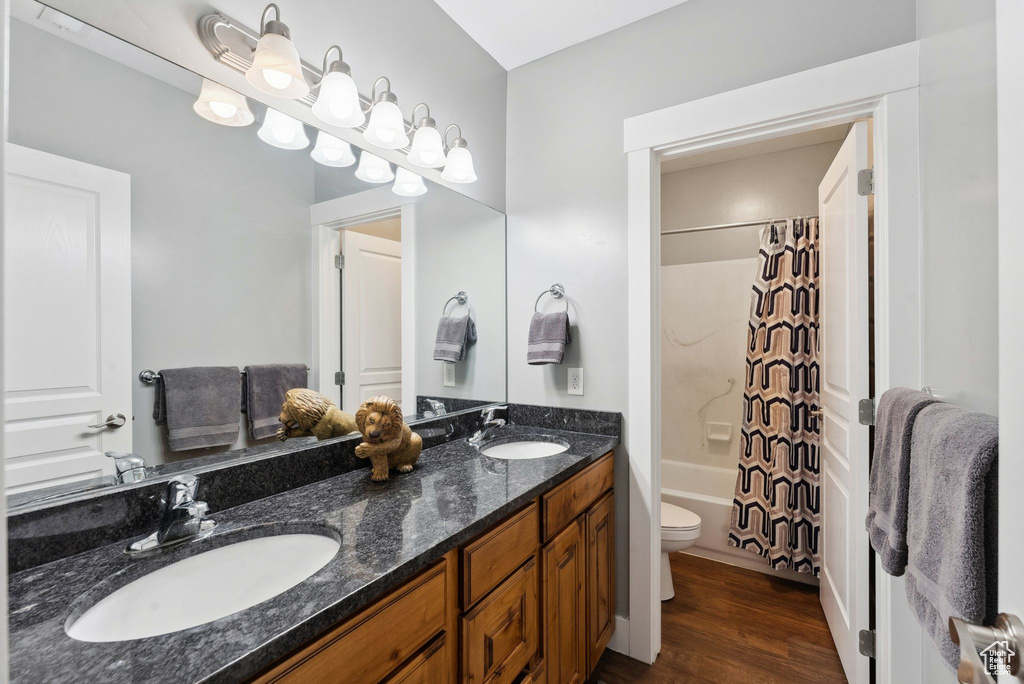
774 185
566 173
220 220
414 42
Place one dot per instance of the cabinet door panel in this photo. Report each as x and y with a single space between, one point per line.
600 578
565 608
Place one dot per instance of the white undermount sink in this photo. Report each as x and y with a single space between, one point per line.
205 587
524 449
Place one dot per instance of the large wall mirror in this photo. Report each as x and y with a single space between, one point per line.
143 237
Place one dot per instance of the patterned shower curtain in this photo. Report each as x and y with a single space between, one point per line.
776 511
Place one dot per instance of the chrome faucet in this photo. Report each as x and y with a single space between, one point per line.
182 517
491 420
128 467
437 408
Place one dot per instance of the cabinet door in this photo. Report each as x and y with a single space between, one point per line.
565 608
600 578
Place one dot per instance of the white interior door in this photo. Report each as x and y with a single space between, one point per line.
843 215
67 327
371 318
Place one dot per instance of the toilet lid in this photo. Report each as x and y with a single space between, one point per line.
677 518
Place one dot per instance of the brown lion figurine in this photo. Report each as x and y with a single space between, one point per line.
305 412
387 440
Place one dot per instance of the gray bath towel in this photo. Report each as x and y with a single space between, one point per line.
454 336
200 406
549 333
264 390
952 530
890 475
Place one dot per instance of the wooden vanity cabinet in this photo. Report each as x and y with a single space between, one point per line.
529 601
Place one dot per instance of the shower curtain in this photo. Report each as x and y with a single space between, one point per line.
776 510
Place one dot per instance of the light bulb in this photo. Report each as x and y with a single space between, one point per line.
374 173
386 127
222 105
224 110
281 130
373 169
408 184
459 167
340 110
277 79
331 151
332 154
283 135
338 100
427 147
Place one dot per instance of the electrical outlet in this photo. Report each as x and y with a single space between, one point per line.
449 374
576 381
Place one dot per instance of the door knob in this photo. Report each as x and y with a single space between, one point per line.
113 421
999 646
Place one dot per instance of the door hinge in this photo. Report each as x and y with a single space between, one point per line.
866 182
339 378
339 261
866 411
866 643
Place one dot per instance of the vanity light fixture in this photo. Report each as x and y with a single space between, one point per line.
275 66
222 105
386 127
427 146
281 130
338 102
408 184
331 151
373 169
459 167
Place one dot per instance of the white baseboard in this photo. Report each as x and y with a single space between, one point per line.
620 637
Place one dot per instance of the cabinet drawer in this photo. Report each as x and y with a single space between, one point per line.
372 644
501 635
566 501
497 553
428 667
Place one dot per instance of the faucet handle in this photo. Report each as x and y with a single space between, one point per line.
181 490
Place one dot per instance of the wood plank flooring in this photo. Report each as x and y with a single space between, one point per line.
728 625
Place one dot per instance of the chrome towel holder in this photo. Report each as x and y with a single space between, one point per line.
557 291
149 377
461 297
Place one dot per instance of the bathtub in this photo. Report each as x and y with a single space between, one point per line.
708 492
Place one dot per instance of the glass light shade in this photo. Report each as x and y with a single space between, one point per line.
427 148
331 151
408 184
373 169
281 130
386 127
459 168
275 68
222 105
338 101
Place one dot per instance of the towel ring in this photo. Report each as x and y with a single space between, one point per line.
461 298
556 291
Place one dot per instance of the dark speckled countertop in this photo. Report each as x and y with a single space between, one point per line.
388 531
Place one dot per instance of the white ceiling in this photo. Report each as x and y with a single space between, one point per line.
755 149
515 32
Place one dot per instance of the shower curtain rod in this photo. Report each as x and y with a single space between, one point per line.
742 224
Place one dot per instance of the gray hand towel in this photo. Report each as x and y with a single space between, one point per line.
454 336
265 387
200 406
549 333
953 517
890 475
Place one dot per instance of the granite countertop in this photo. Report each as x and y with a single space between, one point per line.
388 531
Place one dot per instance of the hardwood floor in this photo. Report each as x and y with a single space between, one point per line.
733 626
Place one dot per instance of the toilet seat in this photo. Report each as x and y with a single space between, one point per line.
678 519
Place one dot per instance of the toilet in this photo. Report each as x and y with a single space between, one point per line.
680 530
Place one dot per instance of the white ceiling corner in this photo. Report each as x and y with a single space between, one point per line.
515 32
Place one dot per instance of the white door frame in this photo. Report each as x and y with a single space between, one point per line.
327 220
882 85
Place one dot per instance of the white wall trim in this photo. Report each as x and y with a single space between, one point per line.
882 85
620 637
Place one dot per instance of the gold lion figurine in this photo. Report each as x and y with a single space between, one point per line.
387 440
306 412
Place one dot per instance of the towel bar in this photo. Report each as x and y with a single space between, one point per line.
557 291
149 377
461 297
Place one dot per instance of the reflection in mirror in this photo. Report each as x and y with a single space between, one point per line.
144 237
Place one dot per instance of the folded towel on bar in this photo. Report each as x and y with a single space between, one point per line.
952 521
200 406
549 333
890 475
264 390
454 336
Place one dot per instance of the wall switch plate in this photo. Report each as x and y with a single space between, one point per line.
449 374
576 381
